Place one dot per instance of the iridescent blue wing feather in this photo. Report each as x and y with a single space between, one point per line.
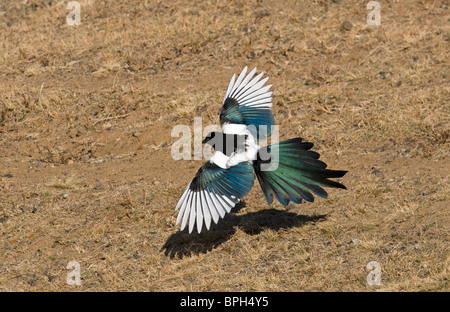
247 101
212 193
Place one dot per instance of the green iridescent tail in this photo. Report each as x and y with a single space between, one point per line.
296 175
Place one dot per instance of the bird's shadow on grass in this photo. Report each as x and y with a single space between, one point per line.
182 243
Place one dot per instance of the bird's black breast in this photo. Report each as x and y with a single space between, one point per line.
230 143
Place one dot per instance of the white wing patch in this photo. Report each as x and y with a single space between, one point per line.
202 207
250 92
230 128
220 159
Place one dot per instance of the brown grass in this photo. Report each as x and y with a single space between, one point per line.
85 120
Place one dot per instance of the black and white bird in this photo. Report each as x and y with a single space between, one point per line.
288 170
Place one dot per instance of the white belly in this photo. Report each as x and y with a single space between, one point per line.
250 153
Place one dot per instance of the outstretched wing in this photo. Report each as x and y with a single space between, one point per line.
247 101
212 193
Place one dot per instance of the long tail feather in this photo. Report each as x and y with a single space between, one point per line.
299 173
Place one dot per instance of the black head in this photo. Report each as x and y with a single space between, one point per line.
210 136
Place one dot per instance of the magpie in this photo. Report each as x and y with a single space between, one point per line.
287 170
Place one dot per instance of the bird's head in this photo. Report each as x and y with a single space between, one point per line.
209 137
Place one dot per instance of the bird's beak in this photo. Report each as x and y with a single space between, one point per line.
205 140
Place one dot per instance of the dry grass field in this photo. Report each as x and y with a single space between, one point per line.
86 173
